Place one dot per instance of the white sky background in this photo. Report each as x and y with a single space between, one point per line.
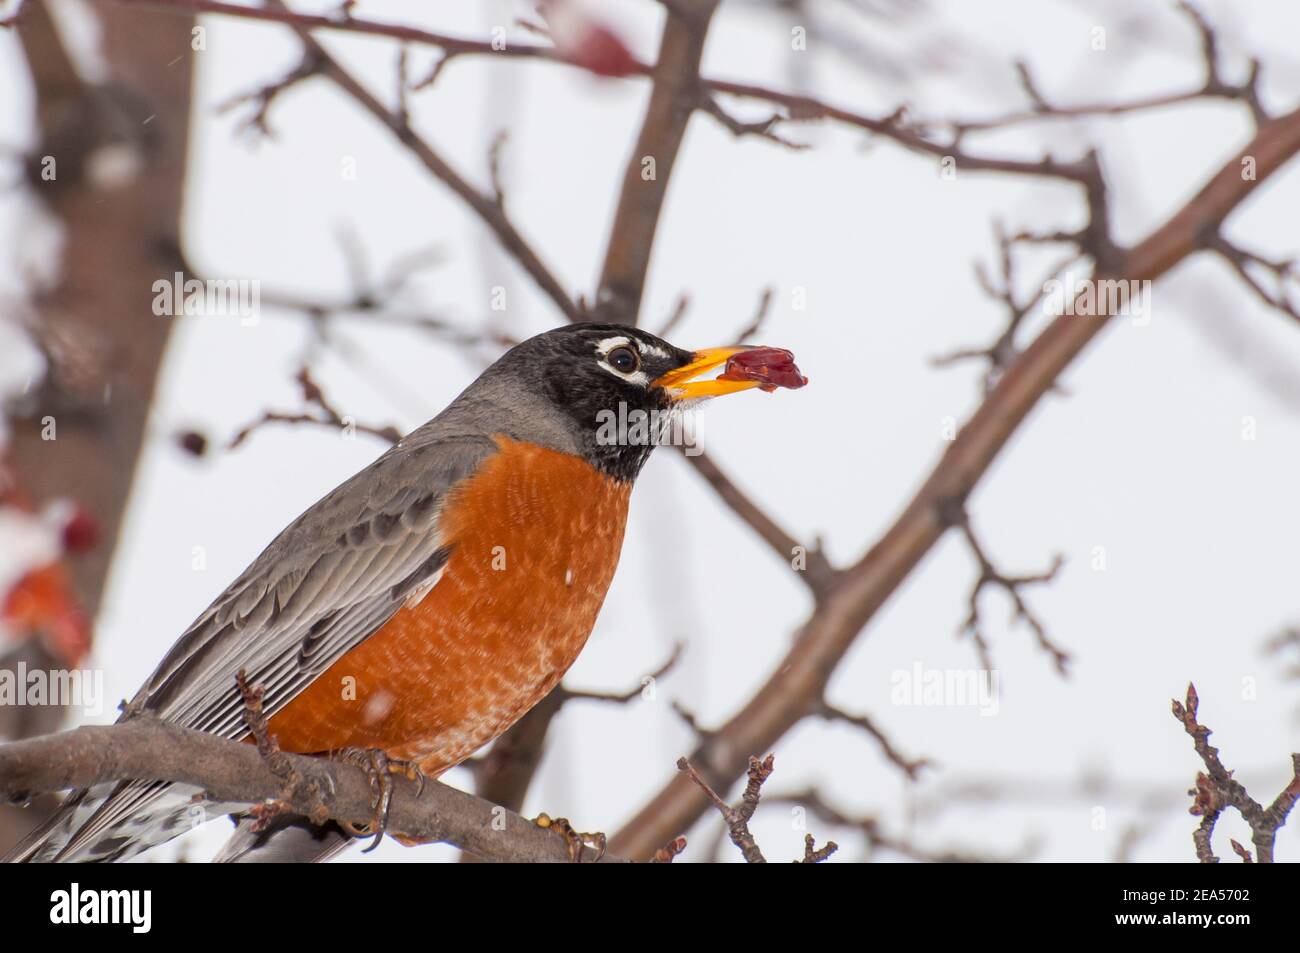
1144 457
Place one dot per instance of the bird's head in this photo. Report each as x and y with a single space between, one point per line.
616 390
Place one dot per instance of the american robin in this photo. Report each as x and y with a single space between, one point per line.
420 608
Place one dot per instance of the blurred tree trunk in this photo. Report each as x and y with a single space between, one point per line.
117 154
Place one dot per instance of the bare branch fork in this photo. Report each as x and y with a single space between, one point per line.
12 18
991 576
1214 86
909 766
737 818
1216 790
1284 273
326 415
1004 350
262 97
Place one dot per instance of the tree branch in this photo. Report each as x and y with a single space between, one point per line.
1216 789
146 748
679 87
737 818
991 576
1284 272
278 13
327 416
1215 86
1004 350
672 100
909 766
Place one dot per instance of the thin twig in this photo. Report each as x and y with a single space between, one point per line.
327 416
1217 789
674 319
762 128
1004 350
991 576
910 767
622 698
666 854
13 16
752 329
737 818
1214 86
262 97
811 564
1284 272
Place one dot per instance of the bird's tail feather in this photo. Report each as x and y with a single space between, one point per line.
116 821
288 839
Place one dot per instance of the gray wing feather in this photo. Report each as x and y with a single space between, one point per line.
328 581
323 585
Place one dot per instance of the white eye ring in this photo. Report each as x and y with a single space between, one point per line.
606 348
624 359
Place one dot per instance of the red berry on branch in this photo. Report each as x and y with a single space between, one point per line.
601 51
192 442
80 532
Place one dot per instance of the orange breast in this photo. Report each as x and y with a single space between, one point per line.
535 538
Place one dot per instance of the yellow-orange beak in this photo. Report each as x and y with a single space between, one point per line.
679 385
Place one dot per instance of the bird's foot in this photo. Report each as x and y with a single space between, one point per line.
574 841
266 812
379 768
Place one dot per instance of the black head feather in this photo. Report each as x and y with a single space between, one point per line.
582 388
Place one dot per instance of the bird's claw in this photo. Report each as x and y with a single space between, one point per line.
574 841
379 768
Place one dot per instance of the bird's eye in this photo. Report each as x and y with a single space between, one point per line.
623 359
